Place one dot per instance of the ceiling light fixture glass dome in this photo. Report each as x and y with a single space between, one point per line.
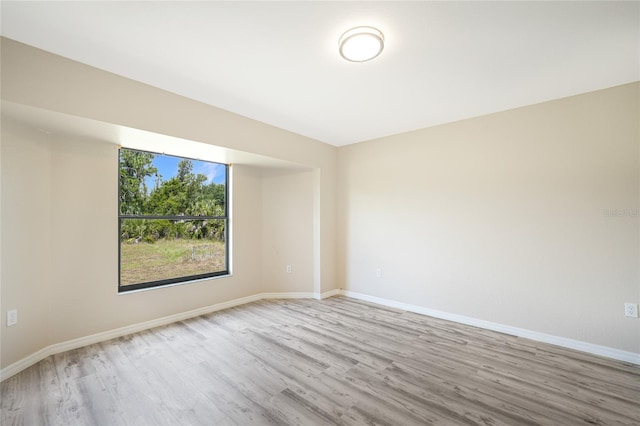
361 44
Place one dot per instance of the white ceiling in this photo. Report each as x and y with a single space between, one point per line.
278 62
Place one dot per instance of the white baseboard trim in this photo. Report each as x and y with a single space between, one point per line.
68 345
327 294
591 348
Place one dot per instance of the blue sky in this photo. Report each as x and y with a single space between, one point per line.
167 166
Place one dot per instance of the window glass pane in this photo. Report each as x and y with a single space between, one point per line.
164 185
173 219
159 250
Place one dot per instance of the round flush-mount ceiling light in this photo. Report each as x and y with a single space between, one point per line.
361 44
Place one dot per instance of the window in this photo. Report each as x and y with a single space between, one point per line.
173 220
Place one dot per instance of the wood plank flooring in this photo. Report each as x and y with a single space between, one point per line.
307 362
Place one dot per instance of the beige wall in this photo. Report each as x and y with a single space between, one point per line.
503 217
37 78
68 287
26 259
287 232
59 234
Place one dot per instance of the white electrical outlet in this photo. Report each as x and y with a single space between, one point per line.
631 310
289 269
378 273
12 317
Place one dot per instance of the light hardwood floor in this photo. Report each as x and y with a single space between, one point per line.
307 362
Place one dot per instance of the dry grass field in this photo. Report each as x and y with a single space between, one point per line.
165 259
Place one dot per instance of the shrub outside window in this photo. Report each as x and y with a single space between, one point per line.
173 220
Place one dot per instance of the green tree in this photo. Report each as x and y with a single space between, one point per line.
135 166
178 195
186 194
170 199
214 192
185 170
